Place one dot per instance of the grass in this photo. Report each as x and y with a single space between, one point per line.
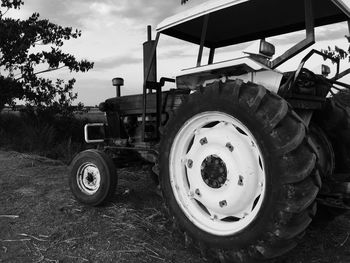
55 137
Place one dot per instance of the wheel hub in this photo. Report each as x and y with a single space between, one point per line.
214 171
88 178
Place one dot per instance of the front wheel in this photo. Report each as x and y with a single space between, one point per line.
237 172
93 177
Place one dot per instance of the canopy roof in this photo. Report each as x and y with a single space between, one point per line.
237 21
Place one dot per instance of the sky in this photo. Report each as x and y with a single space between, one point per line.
113 32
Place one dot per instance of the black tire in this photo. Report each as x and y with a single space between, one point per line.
292 181
97 193
334 119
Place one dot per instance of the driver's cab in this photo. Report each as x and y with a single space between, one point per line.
221 23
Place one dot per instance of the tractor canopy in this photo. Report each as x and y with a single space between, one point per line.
237 21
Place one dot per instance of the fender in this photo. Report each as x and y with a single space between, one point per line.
243 68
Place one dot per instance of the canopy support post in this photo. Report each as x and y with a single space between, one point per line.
304 44
211 56
203 36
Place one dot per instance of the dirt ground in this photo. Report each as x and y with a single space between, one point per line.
41 222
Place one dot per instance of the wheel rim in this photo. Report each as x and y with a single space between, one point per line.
88 178
217 173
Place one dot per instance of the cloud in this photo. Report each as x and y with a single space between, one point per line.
330 32
85 14
176 53
141 11
115 62
82 13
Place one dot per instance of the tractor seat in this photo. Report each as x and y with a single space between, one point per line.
132 104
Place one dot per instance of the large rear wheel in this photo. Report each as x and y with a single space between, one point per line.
237 172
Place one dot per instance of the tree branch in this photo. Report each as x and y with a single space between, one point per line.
2 14
44 71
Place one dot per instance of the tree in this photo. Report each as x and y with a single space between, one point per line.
343 95
22 63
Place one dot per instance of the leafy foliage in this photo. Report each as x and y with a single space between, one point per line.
337 52
58 137
22 63
341 96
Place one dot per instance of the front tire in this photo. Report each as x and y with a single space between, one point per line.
236 171
93 177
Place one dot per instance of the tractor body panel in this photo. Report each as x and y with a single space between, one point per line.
133 104
270 79
243 68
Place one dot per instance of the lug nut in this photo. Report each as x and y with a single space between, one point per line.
229 146
189 163
240 180
203 141
223 203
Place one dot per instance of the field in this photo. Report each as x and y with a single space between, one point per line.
41 222
46 133
93 114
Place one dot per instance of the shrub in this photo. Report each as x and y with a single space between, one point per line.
54 136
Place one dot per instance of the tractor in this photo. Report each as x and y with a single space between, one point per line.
244 153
